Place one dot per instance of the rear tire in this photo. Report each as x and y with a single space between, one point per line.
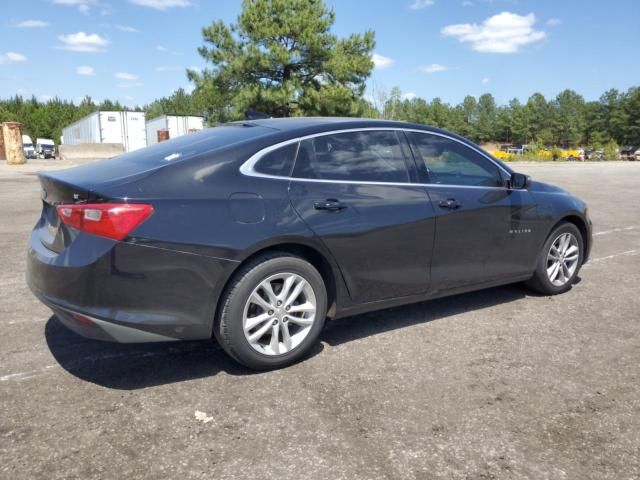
559 261
272 312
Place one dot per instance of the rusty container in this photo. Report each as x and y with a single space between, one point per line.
12 133
163 135
3 156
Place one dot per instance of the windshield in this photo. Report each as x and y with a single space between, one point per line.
47 147
27 145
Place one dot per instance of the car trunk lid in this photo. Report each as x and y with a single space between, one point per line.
54 234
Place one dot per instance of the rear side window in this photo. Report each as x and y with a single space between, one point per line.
277 162
452 163
367 156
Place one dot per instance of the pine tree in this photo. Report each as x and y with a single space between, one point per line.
282 59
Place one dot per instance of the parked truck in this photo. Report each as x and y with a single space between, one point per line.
27 146
45 148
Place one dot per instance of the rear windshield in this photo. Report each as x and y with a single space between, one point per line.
95 174
193 144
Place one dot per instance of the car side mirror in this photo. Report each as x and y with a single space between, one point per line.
519 181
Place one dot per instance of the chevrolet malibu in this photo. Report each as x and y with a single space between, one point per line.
254 233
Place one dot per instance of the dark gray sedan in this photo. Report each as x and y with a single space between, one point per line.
255 232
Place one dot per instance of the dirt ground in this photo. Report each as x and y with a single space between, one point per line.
493 384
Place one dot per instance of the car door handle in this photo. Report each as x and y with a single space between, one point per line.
450 204
331 204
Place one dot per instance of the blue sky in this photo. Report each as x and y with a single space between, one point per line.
137 50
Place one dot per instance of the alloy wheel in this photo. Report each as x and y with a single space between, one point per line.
562 259
279 313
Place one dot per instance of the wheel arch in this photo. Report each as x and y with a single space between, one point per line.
330 273
581 224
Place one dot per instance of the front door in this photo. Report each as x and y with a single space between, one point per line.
484 230
352 189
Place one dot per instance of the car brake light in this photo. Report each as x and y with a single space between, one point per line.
111 220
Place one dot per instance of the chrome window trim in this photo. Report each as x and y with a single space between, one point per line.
247 168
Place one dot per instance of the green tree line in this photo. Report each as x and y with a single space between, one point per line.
47 119
566 120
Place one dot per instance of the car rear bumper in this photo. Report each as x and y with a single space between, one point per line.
125 292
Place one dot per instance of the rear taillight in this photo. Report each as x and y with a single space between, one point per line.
111 220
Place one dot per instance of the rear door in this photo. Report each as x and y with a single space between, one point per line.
353 190
483 229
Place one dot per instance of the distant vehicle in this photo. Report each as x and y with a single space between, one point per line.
45 148
598 155
588 153
27 146
628 152
516 150
571 154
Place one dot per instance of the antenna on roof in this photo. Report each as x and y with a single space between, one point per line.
255 115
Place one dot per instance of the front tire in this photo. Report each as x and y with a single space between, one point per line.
272 312
559 261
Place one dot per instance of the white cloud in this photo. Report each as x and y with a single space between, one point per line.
485 80
552 22
433 68
84 6
467 3
408 96
85 70
11 57
169 68
502 33
82 42
161 4
380 61
129 84
160 48
127 28
420 4
32 24
126 76
45 98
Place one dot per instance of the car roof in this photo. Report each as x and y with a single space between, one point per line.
297 124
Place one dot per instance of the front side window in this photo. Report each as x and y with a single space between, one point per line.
278 162
452 163
366 156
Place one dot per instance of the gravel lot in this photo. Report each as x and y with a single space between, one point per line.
493 384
